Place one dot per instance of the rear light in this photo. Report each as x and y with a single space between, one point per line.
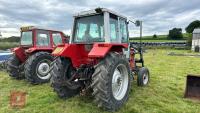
57 50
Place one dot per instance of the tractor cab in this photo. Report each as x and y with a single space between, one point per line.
95 32
100 25
41 38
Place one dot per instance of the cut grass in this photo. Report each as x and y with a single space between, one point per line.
164 94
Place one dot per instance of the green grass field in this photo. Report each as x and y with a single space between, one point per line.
164 94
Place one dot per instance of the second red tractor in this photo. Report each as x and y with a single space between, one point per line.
31 60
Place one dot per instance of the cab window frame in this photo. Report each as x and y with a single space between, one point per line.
48 38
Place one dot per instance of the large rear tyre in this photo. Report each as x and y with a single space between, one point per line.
111 82
37 67
61 74
15 68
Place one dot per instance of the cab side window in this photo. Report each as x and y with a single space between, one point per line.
57 38
123 31
113 28
43 38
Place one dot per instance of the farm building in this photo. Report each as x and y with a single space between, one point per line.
196 40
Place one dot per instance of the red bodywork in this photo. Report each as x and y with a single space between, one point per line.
86 53
22 52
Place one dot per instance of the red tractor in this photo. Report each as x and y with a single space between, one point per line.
98 59
31 60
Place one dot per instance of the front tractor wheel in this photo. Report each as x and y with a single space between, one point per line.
62 79
143 76
37 67
15 68
111 82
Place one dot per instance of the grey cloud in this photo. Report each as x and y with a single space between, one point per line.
158 16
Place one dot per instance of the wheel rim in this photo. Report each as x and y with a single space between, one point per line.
145 78
120 82
43 69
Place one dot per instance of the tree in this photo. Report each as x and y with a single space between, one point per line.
155 36
175 33
192 26
0 35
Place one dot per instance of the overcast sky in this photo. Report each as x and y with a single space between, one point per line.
158 15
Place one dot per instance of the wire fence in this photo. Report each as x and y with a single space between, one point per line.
161 44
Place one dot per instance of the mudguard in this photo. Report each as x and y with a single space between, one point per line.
20 53
78 53
99 50
75 52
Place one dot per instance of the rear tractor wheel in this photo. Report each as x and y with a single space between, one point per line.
111 82
62 79
15 68
37 67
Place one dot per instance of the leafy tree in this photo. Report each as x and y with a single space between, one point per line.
175 33
10 39
155 36
188 36
192 26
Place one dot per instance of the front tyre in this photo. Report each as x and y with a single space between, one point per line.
111 82
15 68
143 76
37 67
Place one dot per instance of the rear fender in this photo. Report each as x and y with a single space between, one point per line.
100 50
20 53
78 54
75 52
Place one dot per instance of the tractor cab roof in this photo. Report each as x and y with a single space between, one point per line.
97 11
29 28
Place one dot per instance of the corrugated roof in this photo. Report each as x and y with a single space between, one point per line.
196 30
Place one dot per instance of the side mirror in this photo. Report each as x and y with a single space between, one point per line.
137 23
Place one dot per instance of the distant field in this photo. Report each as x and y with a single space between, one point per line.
164 94
8 45
160 37
158 41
